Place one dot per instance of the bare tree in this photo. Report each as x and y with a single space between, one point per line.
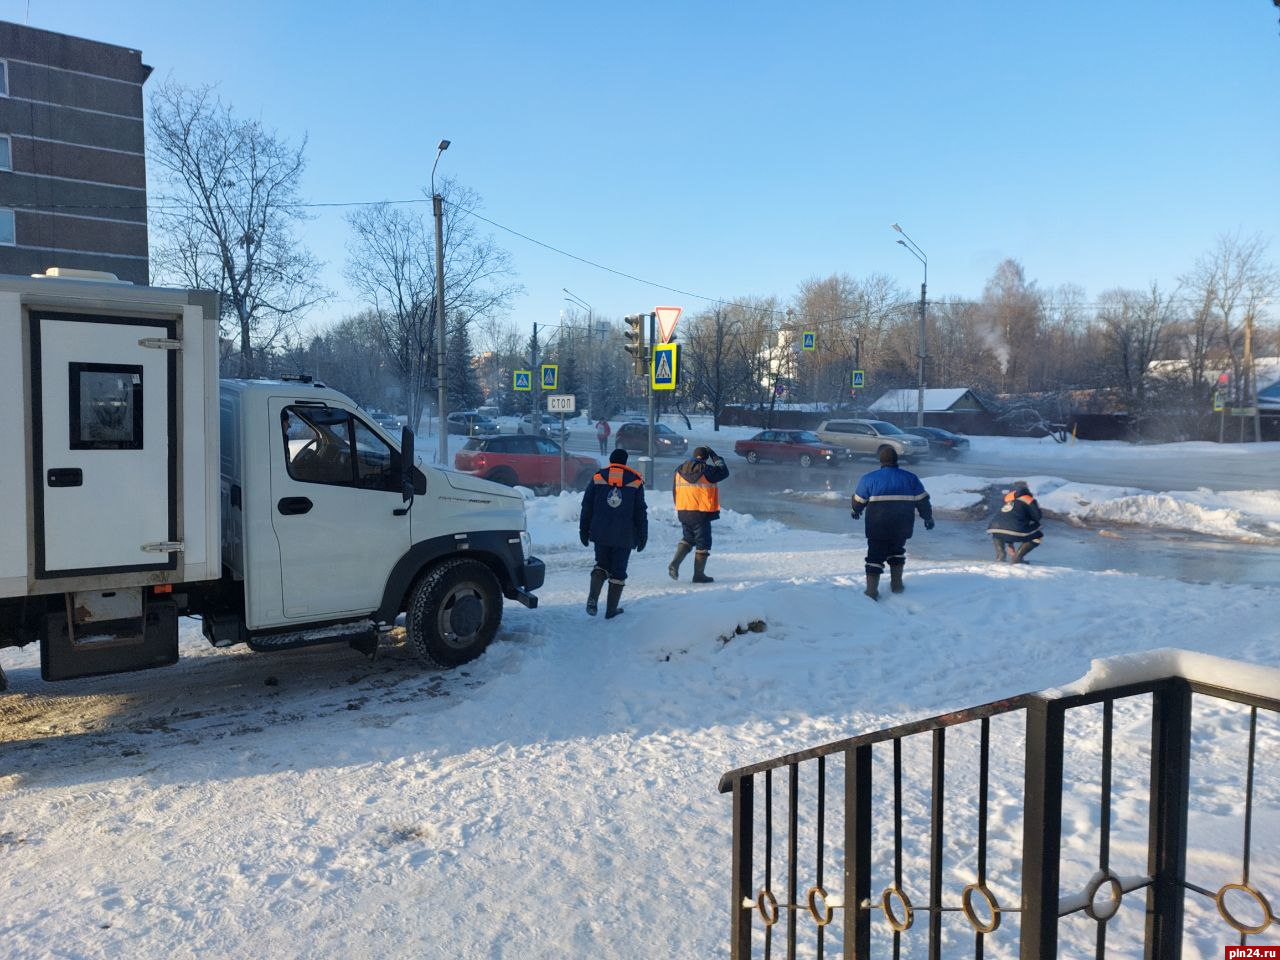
1133 325
391 264
228 207
717 369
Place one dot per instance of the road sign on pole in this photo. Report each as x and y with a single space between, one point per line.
667 317
664 371
859 380
1218 405
550 376
562 403
522 380
808 340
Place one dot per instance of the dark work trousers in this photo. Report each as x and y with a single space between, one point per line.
613 561
880 552
697 535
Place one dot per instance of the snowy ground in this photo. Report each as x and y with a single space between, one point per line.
558 798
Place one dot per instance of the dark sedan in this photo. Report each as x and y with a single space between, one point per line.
634 437
788 446
942 443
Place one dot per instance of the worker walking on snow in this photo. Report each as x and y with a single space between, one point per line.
615 519
891 497
1015 530
697 504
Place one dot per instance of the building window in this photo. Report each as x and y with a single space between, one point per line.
6 228
4 78
6 152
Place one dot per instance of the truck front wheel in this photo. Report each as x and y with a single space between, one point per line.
454 612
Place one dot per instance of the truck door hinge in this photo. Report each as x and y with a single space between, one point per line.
164 546
160 343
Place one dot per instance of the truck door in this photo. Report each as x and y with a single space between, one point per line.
104 398
336 509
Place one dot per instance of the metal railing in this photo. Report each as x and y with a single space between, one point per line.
840 909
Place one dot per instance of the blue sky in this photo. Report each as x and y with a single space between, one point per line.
738 148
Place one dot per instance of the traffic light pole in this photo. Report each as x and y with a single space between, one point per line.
653 337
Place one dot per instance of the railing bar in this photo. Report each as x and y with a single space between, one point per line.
793 822
743 842
1248 790
927 725
768 854
857 852
1197 889
936 800
1236 696
897 812
984 764
822 818
1104 842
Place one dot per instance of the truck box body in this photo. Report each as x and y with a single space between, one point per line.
112 453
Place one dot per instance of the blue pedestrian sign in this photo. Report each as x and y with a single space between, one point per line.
664 369
550 376
521 380
859 379
808 340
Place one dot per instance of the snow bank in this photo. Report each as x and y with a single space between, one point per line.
1049 449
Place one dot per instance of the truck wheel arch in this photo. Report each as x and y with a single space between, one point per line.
488 547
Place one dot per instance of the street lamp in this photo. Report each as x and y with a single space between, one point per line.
591 333
919 254
437 206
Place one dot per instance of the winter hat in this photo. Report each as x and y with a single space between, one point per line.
1020 487
888 456
618 456
701 453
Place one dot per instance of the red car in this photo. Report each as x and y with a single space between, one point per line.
524 461
787 446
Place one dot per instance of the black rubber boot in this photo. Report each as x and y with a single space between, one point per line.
1025 547
895 579
1001 553
873 585
682 551
598 577
700 568
615 594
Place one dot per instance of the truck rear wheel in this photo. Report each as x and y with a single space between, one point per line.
454 612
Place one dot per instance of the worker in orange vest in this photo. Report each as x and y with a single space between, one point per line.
697 504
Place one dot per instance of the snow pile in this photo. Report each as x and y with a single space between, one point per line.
1049 449
1250 678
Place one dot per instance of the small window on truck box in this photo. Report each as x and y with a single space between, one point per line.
106 406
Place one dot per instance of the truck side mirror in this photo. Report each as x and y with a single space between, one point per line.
406 464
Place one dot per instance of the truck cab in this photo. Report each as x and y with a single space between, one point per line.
139 488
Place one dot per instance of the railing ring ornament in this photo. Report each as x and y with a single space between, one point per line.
966 907
908 912
1112 906
1220 901
823 918
767 903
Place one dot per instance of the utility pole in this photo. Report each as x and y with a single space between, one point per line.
648 379
536 373
437 208
919 254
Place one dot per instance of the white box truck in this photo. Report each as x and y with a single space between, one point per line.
135 488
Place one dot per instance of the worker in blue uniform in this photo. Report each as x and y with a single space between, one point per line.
615 519
890 497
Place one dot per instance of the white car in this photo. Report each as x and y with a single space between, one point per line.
550 427
864 438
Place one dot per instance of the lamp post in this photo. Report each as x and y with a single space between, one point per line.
437 206
591 335
919 254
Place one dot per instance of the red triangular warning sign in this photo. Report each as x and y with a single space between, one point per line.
667 317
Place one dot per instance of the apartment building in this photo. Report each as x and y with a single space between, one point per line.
73 184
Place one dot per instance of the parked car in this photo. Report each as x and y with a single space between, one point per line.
524 461
634 438
864 438
470 423
788 446
550 427
942 443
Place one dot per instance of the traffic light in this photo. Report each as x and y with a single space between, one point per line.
634 336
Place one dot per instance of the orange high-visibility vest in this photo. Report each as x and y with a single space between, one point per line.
702 496
1013 495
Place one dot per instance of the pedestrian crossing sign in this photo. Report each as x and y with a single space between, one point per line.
859 380
808 340
550 376
664 368
521 380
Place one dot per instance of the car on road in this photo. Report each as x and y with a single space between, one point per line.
865 438
788 446
523 461
549 427
470 423
943 444
385 420
634 438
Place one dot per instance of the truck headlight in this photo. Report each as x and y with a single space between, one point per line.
526 544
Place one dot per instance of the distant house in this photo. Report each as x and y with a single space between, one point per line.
938 401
